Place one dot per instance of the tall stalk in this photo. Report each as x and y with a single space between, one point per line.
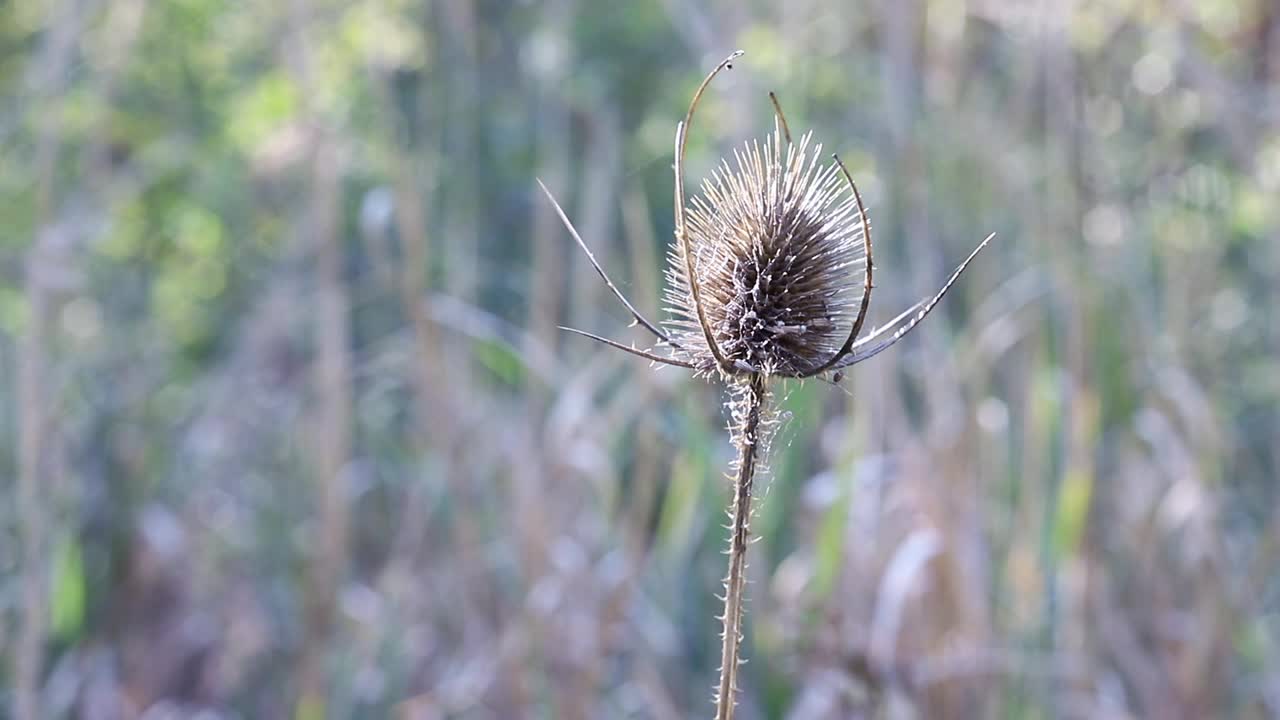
747 437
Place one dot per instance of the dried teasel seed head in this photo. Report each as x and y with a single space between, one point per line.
778 250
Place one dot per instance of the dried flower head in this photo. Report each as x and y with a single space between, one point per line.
781 252
772 264
770 276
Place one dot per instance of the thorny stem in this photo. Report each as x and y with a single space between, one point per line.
748 440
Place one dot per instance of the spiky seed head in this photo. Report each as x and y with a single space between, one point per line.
777 250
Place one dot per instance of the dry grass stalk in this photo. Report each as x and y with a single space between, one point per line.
36 441
332 429
770 266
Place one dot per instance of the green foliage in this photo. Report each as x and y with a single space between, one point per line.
67 597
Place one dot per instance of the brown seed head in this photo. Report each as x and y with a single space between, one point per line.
777 245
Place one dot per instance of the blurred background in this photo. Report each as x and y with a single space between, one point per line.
289 430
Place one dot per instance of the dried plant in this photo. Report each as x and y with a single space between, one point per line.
764 282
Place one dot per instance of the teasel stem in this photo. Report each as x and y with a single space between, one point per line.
748 441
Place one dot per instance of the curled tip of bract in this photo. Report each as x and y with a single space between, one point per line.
778 247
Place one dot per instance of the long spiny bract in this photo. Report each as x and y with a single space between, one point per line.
876 343
776 239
